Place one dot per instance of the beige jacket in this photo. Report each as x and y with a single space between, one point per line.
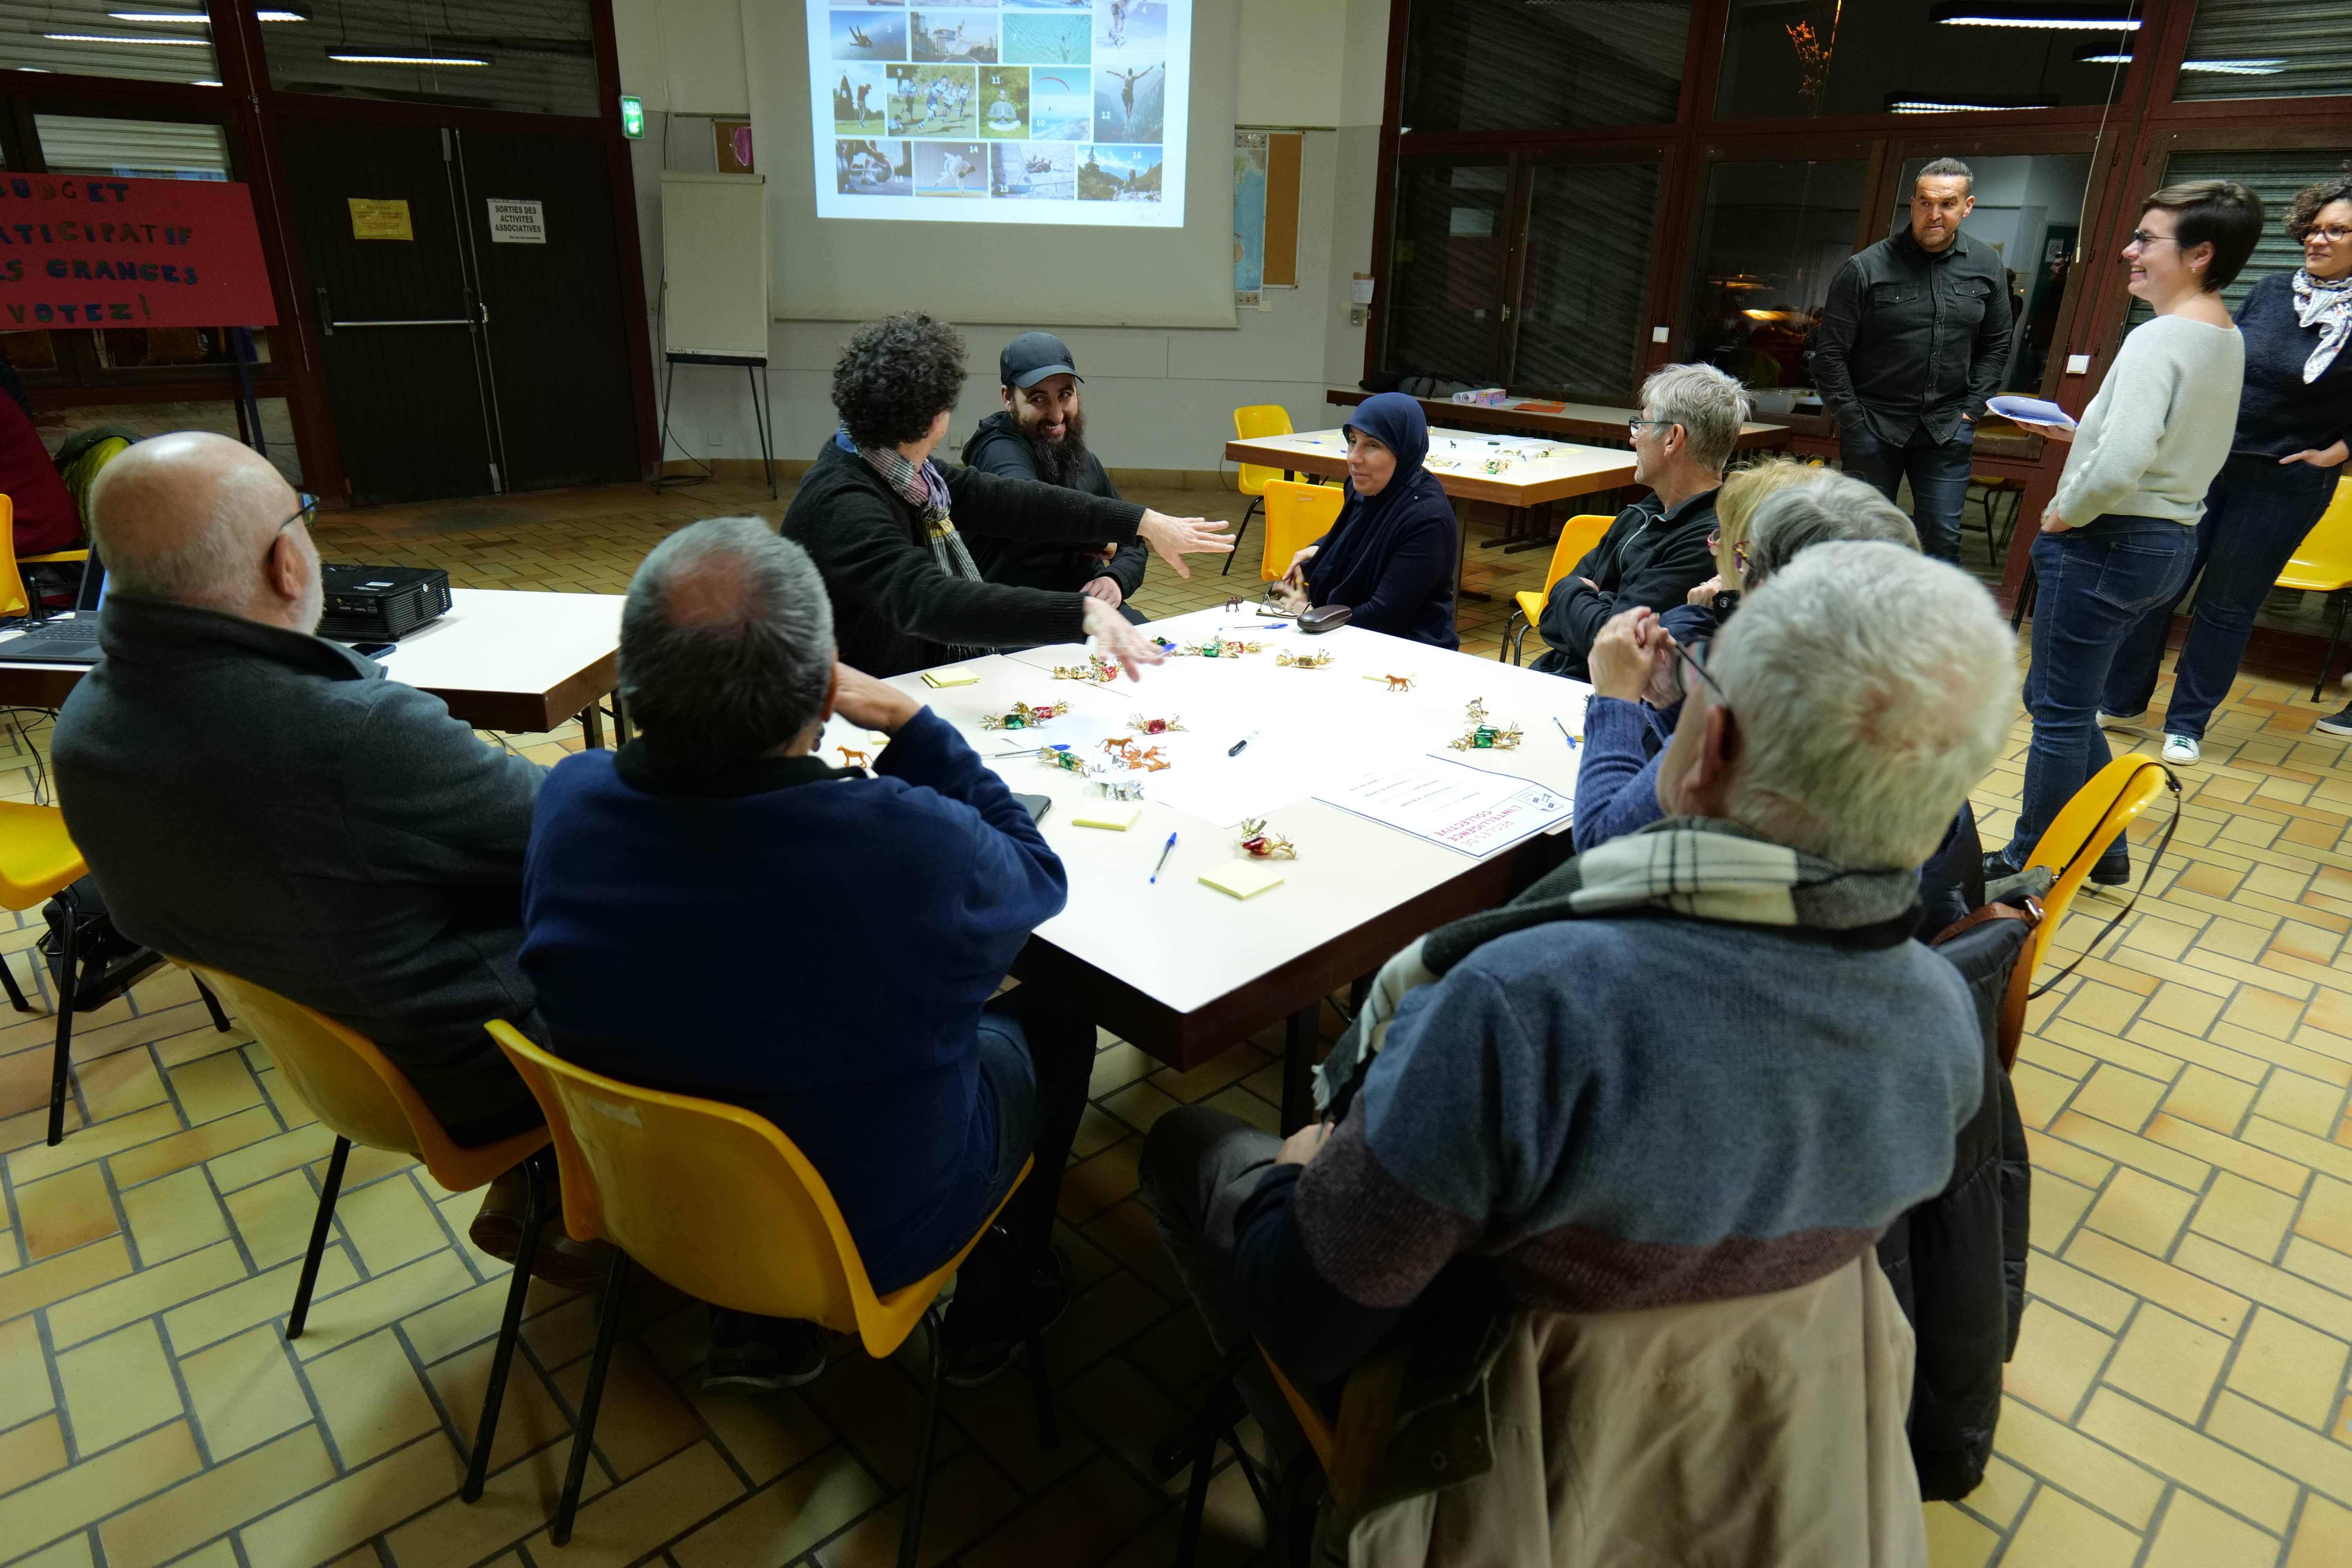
1755 1433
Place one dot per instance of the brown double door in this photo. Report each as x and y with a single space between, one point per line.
467 292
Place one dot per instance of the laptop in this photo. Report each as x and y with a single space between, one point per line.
69 640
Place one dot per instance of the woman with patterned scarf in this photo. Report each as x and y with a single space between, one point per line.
2290 447
878 517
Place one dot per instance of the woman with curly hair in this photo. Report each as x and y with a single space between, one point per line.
876 515
2281 474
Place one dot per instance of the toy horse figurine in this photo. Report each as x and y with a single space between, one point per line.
1260 844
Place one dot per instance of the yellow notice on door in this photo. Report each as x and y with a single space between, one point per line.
379 220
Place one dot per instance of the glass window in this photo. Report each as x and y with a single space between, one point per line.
537 55
1805 57
151 149
1446 270
1588 267
2260 49
169 40
1772 237
1512 65
2031 211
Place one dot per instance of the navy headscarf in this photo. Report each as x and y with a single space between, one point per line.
1390 557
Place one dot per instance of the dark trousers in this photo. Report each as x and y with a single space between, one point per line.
1198 1166
2097 581
1038 1060
1938 472
2257 513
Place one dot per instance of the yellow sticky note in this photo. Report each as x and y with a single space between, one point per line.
939 677
1117 815
1242 879
380 219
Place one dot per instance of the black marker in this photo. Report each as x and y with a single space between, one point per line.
1235 749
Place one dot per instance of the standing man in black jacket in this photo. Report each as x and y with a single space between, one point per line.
1914 339
1041 435
1657 550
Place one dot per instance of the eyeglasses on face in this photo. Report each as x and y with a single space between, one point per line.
1693 661
1633 427
309 511
2329 235
1739 552
2143 240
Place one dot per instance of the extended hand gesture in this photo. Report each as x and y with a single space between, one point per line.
1174 538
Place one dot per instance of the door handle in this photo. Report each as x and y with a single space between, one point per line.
326 313
432 321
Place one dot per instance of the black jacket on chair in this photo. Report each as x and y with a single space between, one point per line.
1957 1261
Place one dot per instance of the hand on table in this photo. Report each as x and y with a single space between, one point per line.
1627 653
1118 638
1106 589
871 704
1174 538
1300 1146
2321 457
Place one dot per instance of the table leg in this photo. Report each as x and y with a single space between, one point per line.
620 723
1539 534
592 726
1462 550
1301 1032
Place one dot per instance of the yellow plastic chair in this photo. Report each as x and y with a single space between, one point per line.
1296 516
1578 535
2069 847
37 862
723 1206
2323 564
357 1092
1258 420
14 600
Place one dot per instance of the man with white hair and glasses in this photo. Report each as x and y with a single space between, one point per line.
1656 551
1699 1066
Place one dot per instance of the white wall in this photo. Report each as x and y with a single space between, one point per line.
1155 398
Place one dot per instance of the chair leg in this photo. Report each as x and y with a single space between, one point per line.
212 1005
318 1248
911 1532
486 1432
583 1436
1033 1347
2335 636
16 993
61 1063
1196 1495
2027 591
1239 530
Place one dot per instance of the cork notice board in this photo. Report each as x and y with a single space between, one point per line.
380 219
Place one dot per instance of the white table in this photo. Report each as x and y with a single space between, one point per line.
501 659
1186 971
1575 421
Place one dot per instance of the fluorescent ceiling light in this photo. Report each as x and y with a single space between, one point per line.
1931 106
2062 23
204 84
279 17
105 38
2214 68
198 17
2104 60
406 59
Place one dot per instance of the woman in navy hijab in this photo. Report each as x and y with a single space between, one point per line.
1390 557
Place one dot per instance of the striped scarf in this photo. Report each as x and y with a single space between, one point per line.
1700 868
924 488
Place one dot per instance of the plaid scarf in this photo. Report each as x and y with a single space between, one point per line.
2328 305
1696 866
924 488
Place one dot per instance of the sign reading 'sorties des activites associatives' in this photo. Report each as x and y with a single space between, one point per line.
95 251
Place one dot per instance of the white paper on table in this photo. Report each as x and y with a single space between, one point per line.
1278 768
1449 803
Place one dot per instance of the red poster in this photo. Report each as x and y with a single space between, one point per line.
89 250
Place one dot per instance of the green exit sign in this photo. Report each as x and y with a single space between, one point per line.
633 117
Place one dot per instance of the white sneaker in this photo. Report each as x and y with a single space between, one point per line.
2180 749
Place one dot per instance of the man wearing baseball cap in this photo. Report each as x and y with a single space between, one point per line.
1040 434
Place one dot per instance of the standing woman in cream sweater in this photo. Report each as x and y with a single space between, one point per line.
2120 535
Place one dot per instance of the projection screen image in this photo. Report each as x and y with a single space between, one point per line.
1068 111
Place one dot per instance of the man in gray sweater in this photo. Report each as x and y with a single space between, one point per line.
255 797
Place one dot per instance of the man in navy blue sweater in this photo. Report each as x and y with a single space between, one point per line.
714 911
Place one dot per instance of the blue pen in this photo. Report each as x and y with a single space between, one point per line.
1563 732
1166 850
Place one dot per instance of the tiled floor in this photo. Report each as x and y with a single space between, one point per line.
2178 1398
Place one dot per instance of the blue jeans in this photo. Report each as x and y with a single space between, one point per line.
1036 1060
2096 582
1938 472
2257 513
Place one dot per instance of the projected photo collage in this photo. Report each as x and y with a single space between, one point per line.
999 100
